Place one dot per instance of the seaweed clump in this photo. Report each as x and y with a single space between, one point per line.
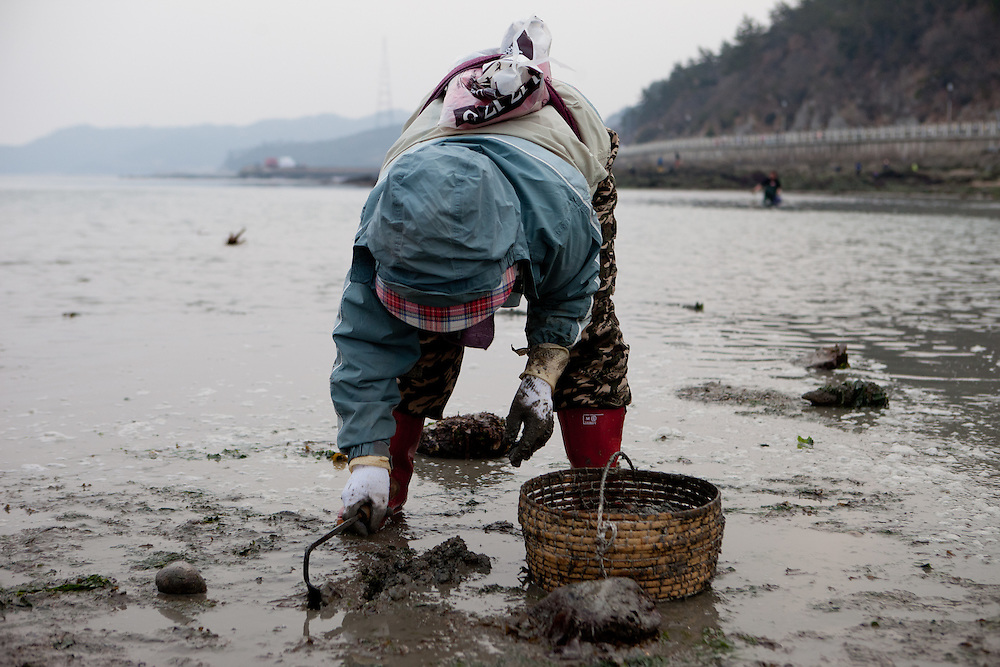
856 394
475 436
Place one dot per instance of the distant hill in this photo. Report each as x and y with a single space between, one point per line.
195 149
831 64
365 149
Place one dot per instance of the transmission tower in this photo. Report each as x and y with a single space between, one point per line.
383 98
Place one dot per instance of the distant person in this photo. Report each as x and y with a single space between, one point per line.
772 189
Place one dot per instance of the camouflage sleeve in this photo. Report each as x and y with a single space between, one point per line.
596 375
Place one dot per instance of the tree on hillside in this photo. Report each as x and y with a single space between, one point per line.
833 63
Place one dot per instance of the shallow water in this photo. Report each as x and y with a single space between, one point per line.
915 297
135 344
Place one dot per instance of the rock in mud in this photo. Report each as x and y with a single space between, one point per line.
827 358
180 578
856 394
614 610
475 436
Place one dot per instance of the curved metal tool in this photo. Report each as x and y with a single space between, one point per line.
314 597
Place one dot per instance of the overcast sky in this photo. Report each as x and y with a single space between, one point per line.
113 63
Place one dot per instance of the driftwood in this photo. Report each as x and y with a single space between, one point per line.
237 238
856 394
475 436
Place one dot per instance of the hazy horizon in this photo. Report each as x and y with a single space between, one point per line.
178 63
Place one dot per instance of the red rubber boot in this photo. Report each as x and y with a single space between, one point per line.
591 436
402 447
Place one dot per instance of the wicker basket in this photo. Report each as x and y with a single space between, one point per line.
662 530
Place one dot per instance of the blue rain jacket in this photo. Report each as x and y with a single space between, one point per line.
533 208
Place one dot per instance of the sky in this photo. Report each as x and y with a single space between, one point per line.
169 63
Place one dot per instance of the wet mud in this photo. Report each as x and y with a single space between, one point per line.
745 399
393 602
390 573
387 602
164 398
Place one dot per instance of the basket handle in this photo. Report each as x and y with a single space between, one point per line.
603 527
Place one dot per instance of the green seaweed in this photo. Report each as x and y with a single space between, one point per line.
87 583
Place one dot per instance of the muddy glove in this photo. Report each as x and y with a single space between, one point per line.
532 404
367 485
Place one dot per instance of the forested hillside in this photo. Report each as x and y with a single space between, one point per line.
826 64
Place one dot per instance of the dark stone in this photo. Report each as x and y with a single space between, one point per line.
827 358
475 436
615 610
856 394
180 578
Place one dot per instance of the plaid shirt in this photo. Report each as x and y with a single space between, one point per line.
445 319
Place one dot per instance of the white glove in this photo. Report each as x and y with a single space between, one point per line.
367 485
531 408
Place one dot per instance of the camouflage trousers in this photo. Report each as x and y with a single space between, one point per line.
598 363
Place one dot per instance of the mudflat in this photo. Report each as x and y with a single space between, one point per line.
163 398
